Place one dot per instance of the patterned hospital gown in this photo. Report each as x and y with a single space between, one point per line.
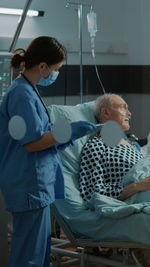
103 167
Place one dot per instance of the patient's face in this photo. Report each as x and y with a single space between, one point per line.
120 112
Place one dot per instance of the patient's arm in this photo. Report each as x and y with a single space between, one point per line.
133 188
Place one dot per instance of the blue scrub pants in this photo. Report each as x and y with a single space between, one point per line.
31 239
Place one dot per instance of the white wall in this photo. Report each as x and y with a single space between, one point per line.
62 23
123 35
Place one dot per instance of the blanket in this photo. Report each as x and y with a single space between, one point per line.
138 203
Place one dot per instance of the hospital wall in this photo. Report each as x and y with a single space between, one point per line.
122 40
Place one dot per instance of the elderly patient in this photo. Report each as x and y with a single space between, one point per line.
102 167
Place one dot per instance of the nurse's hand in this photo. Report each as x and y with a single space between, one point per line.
81 128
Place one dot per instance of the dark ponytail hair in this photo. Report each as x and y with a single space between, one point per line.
42 49
18 58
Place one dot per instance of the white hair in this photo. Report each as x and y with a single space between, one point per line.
105 100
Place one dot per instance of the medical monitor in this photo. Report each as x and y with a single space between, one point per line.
5 73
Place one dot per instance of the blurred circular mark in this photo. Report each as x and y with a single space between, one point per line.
61 130
111 133
17 127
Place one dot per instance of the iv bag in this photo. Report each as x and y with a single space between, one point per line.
92 26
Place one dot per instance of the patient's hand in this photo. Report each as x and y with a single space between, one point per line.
133 188
143 184
128 191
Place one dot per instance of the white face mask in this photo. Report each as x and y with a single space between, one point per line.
49 80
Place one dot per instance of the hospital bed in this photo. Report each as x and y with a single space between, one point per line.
83 227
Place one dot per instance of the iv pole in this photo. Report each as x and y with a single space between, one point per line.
80 53
80 16
20 25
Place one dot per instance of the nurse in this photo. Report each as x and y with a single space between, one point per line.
30 169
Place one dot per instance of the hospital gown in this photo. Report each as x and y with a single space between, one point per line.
103 167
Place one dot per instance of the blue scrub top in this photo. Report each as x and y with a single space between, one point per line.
28 180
